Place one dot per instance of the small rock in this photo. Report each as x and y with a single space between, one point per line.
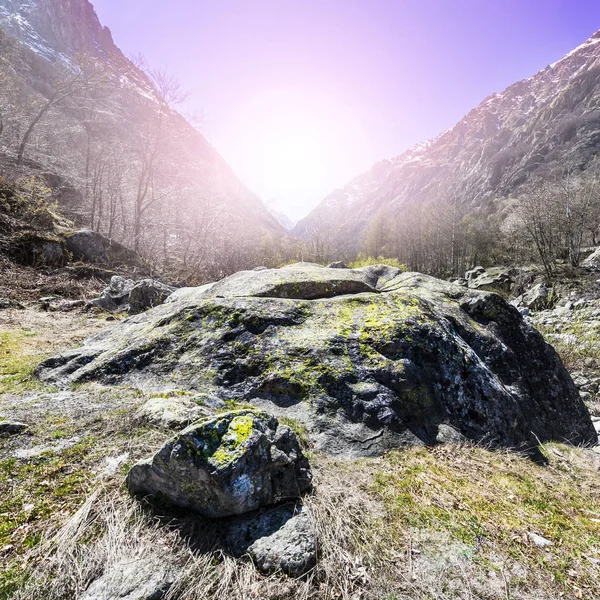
7 303
337 265
235 463
54 304
460 281
132 579
474 273
12 427
148 293
538 540
115 296
448 435
282 539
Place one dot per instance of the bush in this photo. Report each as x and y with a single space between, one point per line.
365 261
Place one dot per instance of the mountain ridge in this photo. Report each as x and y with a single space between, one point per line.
492 151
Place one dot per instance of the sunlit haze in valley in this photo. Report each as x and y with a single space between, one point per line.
300 97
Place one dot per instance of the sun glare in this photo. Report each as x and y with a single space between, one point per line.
293 146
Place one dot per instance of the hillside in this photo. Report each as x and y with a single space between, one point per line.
74 107
536 128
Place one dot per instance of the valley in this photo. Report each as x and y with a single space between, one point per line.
395 398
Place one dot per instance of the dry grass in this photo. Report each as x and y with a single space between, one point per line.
21 282
445 523
29 336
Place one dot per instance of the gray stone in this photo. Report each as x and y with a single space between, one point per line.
93 247
115 296
365 372
280 540
173 413
303 281
54 304
501 282
87 245
538 540
449 435
12 427
148 293
132 579
474 273
539 297
186 294
460 281
231 464
593 260
7 303
337 265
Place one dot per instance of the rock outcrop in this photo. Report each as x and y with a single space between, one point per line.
367 359
232 464
93 247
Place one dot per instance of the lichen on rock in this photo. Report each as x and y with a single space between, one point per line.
228 465
382 359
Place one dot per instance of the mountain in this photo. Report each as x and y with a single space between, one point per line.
282 219
75 110
534 129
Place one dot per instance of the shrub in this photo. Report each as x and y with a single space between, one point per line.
364 261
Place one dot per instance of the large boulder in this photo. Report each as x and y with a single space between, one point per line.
93 247
148 293
87 245
234 463
364 371
38 249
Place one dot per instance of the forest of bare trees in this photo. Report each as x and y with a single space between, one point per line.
549 223
145 177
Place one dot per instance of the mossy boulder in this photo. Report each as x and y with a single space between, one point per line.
364 371
234 463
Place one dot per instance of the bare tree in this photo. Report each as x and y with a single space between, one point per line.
68 82
152 138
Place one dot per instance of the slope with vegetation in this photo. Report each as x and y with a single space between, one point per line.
516 178
74 107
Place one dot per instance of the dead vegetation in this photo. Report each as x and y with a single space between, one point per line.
440 524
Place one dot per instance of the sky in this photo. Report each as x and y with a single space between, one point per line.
300 96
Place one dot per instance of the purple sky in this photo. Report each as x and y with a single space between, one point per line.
300 96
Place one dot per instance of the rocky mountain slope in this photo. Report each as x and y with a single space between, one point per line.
537 127
140 170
